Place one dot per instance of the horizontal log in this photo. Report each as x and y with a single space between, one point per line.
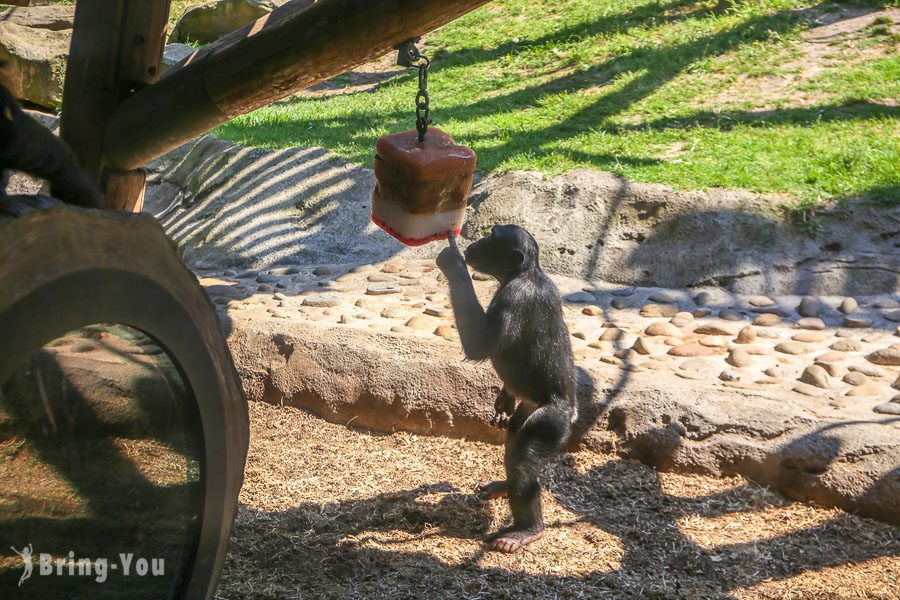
299 44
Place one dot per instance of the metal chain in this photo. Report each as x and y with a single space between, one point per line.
409 56
422 101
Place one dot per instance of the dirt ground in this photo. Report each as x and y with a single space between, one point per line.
332 512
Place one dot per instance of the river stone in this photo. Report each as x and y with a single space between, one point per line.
446 332
846 345
479 276
611 335
833 369
207 22
767 320
892 315
739 357
817 376
641 346
681 321
855 378
730 315
379 278
622 291
887 303
703 298
321 300
691 349
747 335
264 288
778 372
382 290
423 323
896 384
712 341
867 389
621 303
809 336
400 329
873 336
813 323
651 311
580 297
794 348
831 357
849 306
438 311
809 307
699 313
322 271
889 356
888 408
664 297
716 329
662 328
266 278
844 333
857 322
867 369
592 311
761 301
808 390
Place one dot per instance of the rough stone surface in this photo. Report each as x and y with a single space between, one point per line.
56 18
810 307
886 356
815 375
35 62
208 22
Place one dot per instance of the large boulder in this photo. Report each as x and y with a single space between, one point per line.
208 22
56 18
35 63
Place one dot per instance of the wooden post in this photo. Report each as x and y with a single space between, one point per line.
299 44
116 50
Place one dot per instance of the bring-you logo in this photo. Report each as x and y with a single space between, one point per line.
125 564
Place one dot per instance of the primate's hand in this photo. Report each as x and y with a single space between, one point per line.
450 261
504 407
500 420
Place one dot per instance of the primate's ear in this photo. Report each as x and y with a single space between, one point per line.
515 260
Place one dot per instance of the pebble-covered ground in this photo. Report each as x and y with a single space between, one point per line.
844 352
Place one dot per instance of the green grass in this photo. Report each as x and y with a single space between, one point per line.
639 88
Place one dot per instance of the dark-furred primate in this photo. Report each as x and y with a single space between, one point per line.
26 145
525 337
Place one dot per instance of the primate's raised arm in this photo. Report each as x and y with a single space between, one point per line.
471 320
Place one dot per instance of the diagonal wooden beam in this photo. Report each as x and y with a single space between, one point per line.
298 45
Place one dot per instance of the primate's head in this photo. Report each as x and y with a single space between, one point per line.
509 250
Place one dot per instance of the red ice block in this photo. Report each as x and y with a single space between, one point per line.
421 187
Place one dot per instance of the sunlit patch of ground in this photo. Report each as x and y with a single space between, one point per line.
331 512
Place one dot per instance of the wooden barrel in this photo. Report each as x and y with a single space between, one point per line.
62 269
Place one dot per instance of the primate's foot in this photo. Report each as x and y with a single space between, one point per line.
511 540
490 490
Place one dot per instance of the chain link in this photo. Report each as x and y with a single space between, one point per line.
423 109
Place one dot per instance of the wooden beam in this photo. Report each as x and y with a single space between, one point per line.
116 50
298 45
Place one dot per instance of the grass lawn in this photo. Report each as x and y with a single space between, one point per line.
672 92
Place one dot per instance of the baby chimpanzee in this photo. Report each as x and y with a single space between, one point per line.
525 337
